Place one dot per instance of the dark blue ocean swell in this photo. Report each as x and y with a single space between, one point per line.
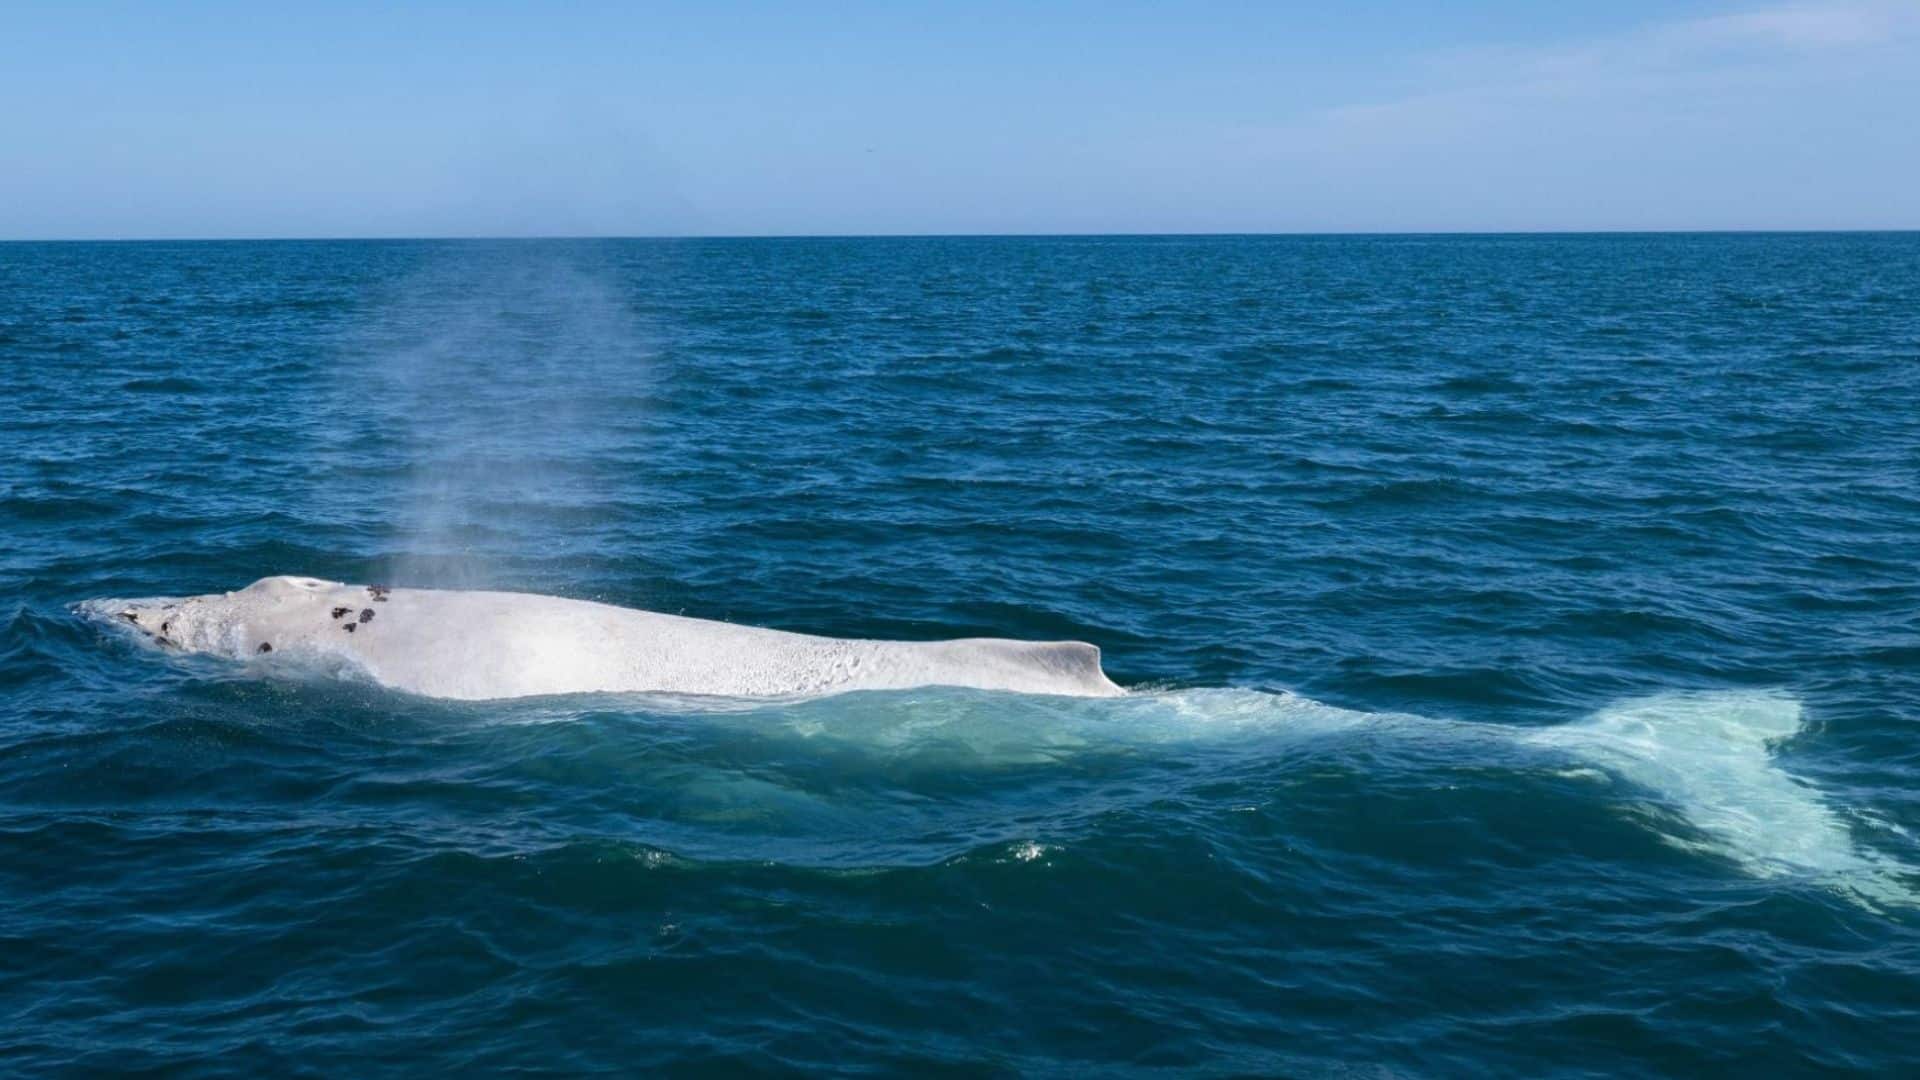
1463 577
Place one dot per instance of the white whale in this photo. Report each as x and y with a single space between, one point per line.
479 645
1708 758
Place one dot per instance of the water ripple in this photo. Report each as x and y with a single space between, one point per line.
1468 583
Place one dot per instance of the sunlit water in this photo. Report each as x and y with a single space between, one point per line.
1525 637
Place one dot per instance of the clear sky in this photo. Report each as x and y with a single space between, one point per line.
210 120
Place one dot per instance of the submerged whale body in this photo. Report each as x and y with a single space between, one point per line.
478 645
1707 758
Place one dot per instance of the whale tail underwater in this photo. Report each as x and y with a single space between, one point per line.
1709 758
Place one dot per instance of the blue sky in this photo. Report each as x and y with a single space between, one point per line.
202 120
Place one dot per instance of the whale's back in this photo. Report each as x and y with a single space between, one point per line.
470 644
1041 667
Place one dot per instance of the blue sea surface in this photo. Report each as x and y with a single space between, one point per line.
1524 634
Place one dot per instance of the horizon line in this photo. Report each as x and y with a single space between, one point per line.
1222 234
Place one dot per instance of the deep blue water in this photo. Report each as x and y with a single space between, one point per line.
1526 634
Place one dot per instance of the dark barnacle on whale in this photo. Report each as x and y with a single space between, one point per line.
378 592
265 646
339 611
366 615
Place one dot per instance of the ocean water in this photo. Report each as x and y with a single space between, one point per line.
1524 635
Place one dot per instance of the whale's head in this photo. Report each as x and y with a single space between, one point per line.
238 624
